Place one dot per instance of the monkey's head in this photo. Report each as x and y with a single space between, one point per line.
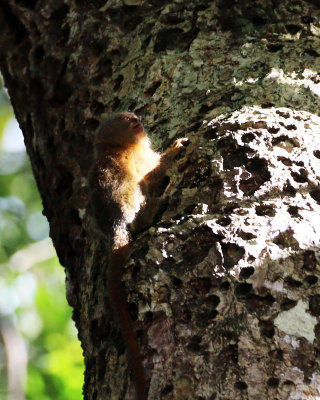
121 129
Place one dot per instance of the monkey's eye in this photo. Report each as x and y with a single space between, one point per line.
125 118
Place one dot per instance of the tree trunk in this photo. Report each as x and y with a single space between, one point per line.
223 287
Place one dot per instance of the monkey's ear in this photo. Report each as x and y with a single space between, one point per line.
106 129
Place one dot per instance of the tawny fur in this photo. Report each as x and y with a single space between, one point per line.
124 174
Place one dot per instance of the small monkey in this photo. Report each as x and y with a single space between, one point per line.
123 181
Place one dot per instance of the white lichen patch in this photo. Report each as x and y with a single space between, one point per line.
292 79
297 321
275 287
82 212
292 341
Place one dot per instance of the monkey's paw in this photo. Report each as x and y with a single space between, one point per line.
174 150
180 143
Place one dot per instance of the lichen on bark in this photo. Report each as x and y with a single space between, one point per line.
228 266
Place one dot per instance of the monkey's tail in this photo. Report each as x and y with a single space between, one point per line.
118 259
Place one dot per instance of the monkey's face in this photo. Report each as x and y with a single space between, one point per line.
132 123
121 129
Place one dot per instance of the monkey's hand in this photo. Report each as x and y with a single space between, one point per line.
154 184
156 181
173 151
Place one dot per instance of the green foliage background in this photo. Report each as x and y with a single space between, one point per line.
32 289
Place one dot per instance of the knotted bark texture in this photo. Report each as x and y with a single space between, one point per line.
232 281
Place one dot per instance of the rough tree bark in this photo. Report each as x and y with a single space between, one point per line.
223 288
